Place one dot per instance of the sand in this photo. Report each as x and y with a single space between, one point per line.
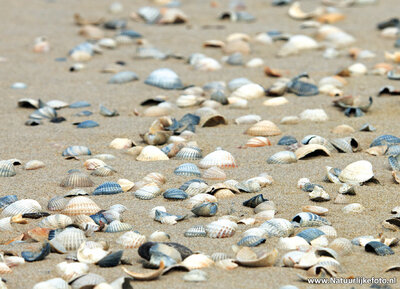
48 79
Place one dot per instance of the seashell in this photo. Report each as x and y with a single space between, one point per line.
260 258
76 151
343 129
311 150
5 224
290 120
254 201
117 226
159 138
297 13
353 208
7 200
377 151
357 172
219 158
277 228
90 254
7 169
21 207
258 141
197 261
57 221
264 128
57 203
329 231
214 173
189 100
125 184
320 211
382 140
396 176
175 194
287 140
91 32
89 280
315 115
346 145
164 78
151 153
255 62
392 268
221 229
378 248
236 83
216 96
33 257
34 165
310 234
249 91
121 143
283 157
158 236
201 198
342 246
265 206
76 192
213 43
394 162
71 238
56 283
205 209
157 178
111 260
302 88
207 64
76 179
148 192
236 46
4 269
393 150
236 102
195 276
92 164
248 119
103 171
108 188
296 44
194 187
251 241
44 112
80 206
146 277
86 124
187 169
307 219
212 120
196 231
318 194
292 243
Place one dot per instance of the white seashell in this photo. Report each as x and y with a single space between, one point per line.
357 69
57 221
296 44
189 100
157 178
207 64
292 243
92 164
290 259
353 208
34 165
21 207
5 224
315 115
301 182
219 158
159 236
238 102
249 91
81 206
356 173
90 254
342 246
248 119
121 143
214 173
152 213
152 153
328 230
55 283
131 240
197 261
276 101
222 228
107 43
264 128
255 62
201 198
71 238
70 271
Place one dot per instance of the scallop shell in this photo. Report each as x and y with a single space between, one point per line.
259 258
76 151
264 128
76 179
7 200
157 178
187 169
329 231
71 238
277 228
148 192
117 226
346 145
219 158
315 139
309 220
105 171
214 173
196 231
283 157
164 78
311 150
248 119
57 203
258 141
57 221
357 172
7 169
197 261
251 241
22 207
221 229
342 246
151 153
81 206
56 283
201 198
108 188
189 153
34 165
125 184
92 164
131 240
310 234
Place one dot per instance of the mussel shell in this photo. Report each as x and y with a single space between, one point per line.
205 209
144 250
108 188
32 257
175 194
254 201
287 140
86 124
111 260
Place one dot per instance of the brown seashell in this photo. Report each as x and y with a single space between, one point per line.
125 184
258 141
157 111
343 129
4 269
330 18
146 276
92 164
264 128
311 150
396 176
39 234
213 43
272 72
80 20
377 150
81 206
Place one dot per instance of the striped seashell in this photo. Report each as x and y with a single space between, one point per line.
342 246
264 216
44 112
131 240
219 158
329 231
57 221
70 271
189 153
117 226
264 128
7 169
108 188
81 206
111 215
150 15
196 188
196 231
56 283
76 179
248 119
218 256
314 115
87 281
105 171
57 203
386 139
83 220
254 201
188 183
125 184
258 141
201 198
187 169
5 224
346 145
164 78
309 220
310 234
251 241
175 194
148 192
315 139
123 77
121 143
259 232
7 200
92 164
214 173
22 207
71 238
378 248
197 261
76 151
278 228
354 208
34 165
157 178
221 229
283 157
151 153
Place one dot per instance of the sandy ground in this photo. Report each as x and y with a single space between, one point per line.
22 21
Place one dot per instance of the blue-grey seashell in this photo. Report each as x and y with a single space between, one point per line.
86 124
386 139
79 104
196 231
254 201
130 33
205 209
394 162
123 77
32 256
149 14
108 188
287 140
76 151
378 248
251 241
99 219
104 111
7 200
187 169
310 234
164 78
307 219
175 194
115 24
187 184
85 47
111 260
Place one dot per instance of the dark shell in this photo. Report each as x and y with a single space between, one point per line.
302 88
152 101
184 251
115 24
219 96
144 249
33 122
392 22
287 140
251 241
79 104
309 187
189 118
378 248
111 260
307 219
205 209
367 127
310 234
394 162
237 16
108 188
130 33
386 139
175 194
32 257
99 219
35 215
86 124
7 200
187 184
393 150
254 201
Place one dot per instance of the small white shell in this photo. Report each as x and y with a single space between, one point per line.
222 228
34 165
131 240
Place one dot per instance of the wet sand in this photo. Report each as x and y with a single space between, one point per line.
48 79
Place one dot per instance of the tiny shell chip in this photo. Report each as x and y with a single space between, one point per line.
76 151
222 228
34 165
22 207
151 153
164 78
264 128
131 240
187 169
81 206
219 158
